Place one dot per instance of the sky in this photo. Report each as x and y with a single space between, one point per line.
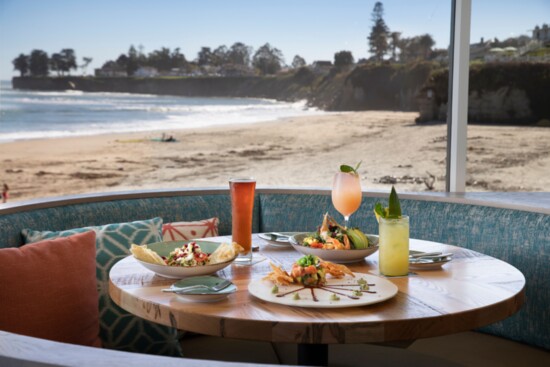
313 29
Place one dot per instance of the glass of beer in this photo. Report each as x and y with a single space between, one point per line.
242 205
393 246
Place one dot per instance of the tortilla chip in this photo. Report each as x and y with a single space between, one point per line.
147 255
225 252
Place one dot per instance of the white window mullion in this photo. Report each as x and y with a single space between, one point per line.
458 98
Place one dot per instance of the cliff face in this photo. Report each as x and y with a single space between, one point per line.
282 88
499 93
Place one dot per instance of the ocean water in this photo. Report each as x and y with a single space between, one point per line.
35 114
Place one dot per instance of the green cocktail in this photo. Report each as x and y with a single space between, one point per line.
393 251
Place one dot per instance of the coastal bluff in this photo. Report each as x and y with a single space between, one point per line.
507 93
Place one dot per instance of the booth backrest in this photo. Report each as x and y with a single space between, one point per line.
519 237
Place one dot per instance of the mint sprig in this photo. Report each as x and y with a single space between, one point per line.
393 211
349 169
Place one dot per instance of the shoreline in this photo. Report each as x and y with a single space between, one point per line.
302 151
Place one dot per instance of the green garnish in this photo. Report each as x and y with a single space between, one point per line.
363 285
349 169
275 289
391 212
296 296
307 260
334 297
357 293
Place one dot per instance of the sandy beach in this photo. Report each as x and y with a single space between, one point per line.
293 152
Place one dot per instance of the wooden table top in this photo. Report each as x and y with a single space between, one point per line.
471 291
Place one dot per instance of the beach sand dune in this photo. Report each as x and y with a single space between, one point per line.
293 152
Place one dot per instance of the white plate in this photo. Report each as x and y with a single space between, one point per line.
384 290
179 272
427 264
203 295
337 256
280 241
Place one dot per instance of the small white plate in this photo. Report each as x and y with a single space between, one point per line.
427 264
280 241
203 295
384 289
337 256
179 272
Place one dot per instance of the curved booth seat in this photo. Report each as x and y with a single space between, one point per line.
24 351
511 227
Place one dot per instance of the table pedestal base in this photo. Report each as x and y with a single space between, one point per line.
312 354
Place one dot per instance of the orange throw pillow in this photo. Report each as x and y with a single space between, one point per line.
48 290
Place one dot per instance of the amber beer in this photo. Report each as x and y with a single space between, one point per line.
242 205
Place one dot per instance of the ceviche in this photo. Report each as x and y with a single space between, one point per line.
189 254
309 271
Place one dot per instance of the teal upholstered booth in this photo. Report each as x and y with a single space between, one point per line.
519 235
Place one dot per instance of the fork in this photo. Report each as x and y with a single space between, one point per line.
216 288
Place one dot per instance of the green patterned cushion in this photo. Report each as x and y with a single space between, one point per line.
119 329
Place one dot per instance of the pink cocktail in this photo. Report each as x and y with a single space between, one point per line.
346 193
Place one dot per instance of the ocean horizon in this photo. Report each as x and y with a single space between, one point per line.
26 114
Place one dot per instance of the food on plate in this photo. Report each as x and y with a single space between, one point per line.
309 271
332 236
146 255
189 254
225 252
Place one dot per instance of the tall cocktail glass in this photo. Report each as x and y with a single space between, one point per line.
346 194
393 246
242 205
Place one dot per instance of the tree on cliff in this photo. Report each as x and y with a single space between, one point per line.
38 64
219 55
378 38
239 54
63 61
132 62
343 58
395 41
165 60
298 62
21 64
69 60
85 62
414 48
268 60
204 57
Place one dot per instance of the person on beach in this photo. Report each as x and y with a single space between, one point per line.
167 139
5 194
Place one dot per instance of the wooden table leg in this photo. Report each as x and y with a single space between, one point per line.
312 354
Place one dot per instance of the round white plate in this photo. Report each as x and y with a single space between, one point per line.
384 290
179 272
337 256
280 241
203 295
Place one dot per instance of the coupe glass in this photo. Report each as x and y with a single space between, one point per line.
346 194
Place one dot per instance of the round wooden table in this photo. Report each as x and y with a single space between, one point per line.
471 291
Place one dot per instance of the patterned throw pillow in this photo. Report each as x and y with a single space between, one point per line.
120 329
182 231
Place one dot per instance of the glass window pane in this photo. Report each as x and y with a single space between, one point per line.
509 90
168 94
